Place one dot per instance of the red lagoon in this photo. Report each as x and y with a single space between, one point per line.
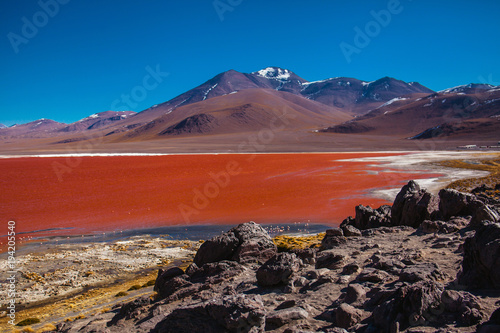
100 193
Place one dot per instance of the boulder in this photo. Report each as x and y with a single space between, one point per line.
166 275
465 306
455 203
420 272
373 275
334 232
351 231
413 205
278 269
308 255
367 217
216 272
347 316
329 242
481 263
481 212
234 313
442 227
410 305
173 285
492 325
355 294
281 317
248 242
330 259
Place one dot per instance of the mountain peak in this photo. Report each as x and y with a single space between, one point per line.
275 73
468 88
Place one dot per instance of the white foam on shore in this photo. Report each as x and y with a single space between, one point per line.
412 162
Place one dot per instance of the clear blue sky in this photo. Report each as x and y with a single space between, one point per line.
91 52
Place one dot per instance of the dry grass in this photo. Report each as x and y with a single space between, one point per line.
67 307
287 243
47 328
492 165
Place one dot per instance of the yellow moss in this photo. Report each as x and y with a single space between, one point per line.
491 165
288 243
82 316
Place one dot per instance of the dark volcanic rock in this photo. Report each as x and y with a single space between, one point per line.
219 248
248 242
463 305
278 269
329 259
492 325
355 294
351 231
284 316
455 203
411 305
481 264
166 275
171 286
216 272
347 316
330 242
334 232
235 313
307 255
420 272
442 227
413 205
482 213
367 217
373 275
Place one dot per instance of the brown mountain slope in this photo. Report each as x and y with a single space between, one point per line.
245 111
409 118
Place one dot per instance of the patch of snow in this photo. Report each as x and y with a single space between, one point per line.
392 101
95 115
274 73
209 89
444 100
463 87
491 101
366 83
233 92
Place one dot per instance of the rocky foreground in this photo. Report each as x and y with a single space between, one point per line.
426 264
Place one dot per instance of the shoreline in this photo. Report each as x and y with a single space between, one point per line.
252 153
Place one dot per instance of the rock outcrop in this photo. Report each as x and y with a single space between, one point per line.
481 263
244 243
413 205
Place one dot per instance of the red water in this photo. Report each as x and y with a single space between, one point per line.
93 194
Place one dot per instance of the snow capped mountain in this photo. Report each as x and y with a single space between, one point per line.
274 73
97 120
3 126
468 88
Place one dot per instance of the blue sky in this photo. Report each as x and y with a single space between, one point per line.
84 55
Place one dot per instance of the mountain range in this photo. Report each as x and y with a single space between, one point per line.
333 114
